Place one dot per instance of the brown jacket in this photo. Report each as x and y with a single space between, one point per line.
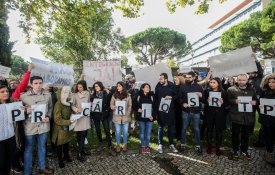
28 99
83 123
122 118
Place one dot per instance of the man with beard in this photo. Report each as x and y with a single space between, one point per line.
191 112
165 90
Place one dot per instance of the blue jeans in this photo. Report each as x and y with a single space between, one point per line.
145 132
41 152
186 117
123 127
170 134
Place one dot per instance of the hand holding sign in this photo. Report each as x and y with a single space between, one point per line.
45 120
38 113
120 107
215 99
86 109
244 104
164 105
193 99
97 105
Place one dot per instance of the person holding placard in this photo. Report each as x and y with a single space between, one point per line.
81 97
267 115
215 113
7 135
242 97
121 104
61 134
100 113
146 115
164 98
191 96
39 110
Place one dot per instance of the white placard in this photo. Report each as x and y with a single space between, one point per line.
120 107
108 72
86 107
151 74
245 104
4 71
232 63
74 117
268 106
58 75
15 111
215 99
97 105
38 113
164 105
146 110
193 99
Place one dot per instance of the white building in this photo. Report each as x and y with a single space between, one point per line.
209 44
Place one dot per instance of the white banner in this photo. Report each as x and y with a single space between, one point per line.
215 99
97 105
245 104
4 71
108 72
268 106
38 113
146 110
164 105
86 107
15 111
120 108
56 74
193 99
232 63
151 74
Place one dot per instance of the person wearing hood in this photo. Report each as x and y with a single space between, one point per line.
145 97
165 91
61 134
241 121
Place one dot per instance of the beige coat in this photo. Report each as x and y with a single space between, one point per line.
28 99
83 123
122 118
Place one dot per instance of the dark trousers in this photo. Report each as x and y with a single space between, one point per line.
18 155
237 132
80 136
106 128
62 151
269 132
7 148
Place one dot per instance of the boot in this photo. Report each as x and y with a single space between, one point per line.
118 148
80 157
67 158
112 152
125 148
209 149
218 151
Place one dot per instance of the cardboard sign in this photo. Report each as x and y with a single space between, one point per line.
4 71
58 75
215 99
108 72
268 106
120 107
164 105
245 104
38 113
193 99
146 110
97 105
15 112
86 107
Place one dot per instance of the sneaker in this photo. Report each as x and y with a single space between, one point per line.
142 150
269 157
160 149
218 151
198 150
125 148
235 155
182 148
246 155
17 170
86 153
46 171
147 150
112 152
173 149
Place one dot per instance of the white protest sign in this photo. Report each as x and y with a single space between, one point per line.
232 63
184 69
245 104
97 105
151 74
193 99
215 99
164 105
56 74
120 107
74 117
108 72
4 123
4 71
15 112
146 110
86 107
38 113
268 106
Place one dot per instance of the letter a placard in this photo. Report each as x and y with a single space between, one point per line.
97 105
245 105
268 106
164 105
38 113
120 107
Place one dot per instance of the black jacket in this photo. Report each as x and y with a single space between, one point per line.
105 106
